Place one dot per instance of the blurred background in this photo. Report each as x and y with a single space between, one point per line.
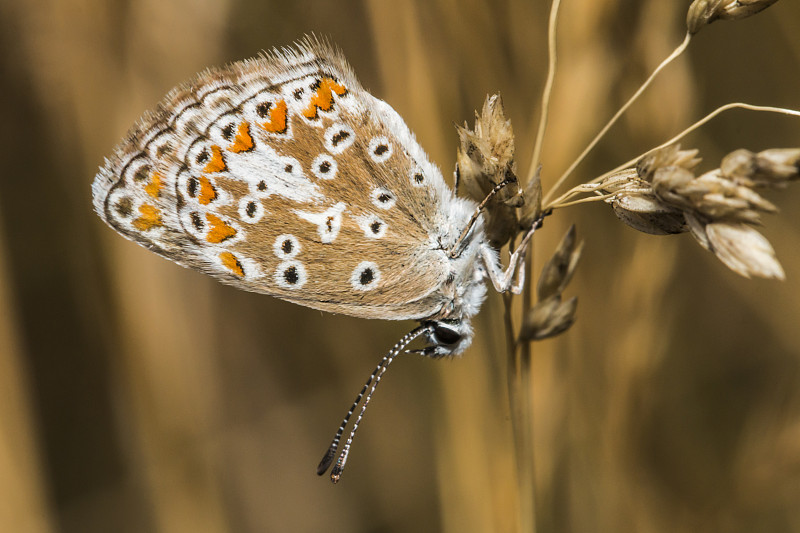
672 405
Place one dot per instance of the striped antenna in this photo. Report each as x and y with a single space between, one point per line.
373 380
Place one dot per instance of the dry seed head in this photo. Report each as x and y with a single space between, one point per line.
662 195
637 205
711 195
669 156
770 168
743 250
548 318
558 271
740 247
646 213
703 12
486 154
485 158
698 229
720 199
532 209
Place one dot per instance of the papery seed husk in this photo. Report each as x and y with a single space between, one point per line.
648 215
669 156
698 229
485 158
671 178
781 163
703 12
769 168
627 178
548 318
558 271
739 165
711 194
532 209
739 9
744 250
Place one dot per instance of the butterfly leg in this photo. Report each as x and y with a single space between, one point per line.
503 280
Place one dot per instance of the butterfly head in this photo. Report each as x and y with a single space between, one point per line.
446 337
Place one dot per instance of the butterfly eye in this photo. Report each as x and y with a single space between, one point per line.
445 334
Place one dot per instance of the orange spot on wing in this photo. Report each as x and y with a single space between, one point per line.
151 218
217 163
323 98
277 118
207 191
230 262
243 141
220 230
156 184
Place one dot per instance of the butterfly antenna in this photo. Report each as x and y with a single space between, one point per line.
373 380
456 249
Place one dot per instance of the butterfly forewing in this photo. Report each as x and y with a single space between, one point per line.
281 175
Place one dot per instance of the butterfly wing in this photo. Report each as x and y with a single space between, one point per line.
281 175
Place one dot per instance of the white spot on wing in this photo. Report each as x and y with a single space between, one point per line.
286 246
338 137
417 177
383 198
264 168
366 276
324 167
328 222
290 275
380 149
372 225
194 222
251 210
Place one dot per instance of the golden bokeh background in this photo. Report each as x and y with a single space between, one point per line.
138 396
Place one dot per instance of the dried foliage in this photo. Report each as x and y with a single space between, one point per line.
718 207
704 12
485 159
551 316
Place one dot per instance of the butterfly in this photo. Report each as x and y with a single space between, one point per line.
281 175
